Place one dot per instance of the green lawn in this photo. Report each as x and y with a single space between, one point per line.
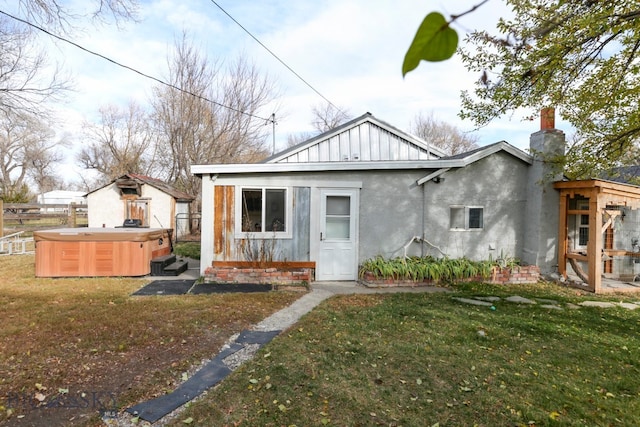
426 359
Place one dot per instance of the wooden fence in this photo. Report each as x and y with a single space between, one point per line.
28 217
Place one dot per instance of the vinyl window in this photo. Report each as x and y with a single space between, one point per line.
264 212
466 217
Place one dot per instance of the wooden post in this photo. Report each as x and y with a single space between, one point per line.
72 215
594 246
562 235
1 218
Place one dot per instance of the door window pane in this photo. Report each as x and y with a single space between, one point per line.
338 220
338 205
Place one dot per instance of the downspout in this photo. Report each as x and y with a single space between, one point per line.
424 222
435 177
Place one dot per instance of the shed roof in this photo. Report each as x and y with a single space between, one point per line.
180 196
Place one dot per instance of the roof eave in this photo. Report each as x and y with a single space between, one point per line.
322 166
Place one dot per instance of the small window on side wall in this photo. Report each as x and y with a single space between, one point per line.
466 218
475 218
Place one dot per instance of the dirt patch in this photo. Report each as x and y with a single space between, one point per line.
111 382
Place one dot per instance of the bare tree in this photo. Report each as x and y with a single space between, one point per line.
26 80
213 118
57 15
27 149
442 135
23 83
295 139
121 143
327 116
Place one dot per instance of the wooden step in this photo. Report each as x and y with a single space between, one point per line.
158 264
175 269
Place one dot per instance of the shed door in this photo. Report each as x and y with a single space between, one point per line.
338 235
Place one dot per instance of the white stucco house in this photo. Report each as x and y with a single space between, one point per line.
367 188
151 201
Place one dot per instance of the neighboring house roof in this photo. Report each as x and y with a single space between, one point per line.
365 138
180 196
60 196
624 175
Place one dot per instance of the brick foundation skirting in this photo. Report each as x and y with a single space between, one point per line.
284 274
499 276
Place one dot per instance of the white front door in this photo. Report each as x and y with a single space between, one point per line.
338 255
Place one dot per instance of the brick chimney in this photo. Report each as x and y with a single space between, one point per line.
543 201
547 118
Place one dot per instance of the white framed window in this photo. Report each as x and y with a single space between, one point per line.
466 217
582 226
264 212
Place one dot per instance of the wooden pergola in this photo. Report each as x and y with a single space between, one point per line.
605 200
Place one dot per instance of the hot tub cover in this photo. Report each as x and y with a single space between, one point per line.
99 234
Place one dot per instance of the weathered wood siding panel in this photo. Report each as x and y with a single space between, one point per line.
223 198
301 224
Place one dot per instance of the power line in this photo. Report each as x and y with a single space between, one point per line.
131 68
274 55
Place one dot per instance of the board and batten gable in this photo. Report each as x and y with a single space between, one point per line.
365 138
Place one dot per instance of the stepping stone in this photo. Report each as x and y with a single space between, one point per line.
520 300
474 302
628 305
551 306
547 301
601 304
490 299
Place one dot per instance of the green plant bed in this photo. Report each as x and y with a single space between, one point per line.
425 269
187 249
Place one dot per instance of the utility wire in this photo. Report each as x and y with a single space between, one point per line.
132 69
274 55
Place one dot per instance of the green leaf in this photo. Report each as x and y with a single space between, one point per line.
187 421
434 41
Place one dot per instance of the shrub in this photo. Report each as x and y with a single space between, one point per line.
187 249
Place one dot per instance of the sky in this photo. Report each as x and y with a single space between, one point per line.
350 51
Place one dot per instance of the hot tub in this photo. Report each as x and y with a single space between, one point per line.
91 252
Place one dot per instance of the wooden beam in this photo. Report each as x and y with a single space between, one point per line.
577 256
594 246
563 233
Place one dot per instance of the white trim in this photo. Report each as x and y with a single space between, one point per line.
279 181
242 168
